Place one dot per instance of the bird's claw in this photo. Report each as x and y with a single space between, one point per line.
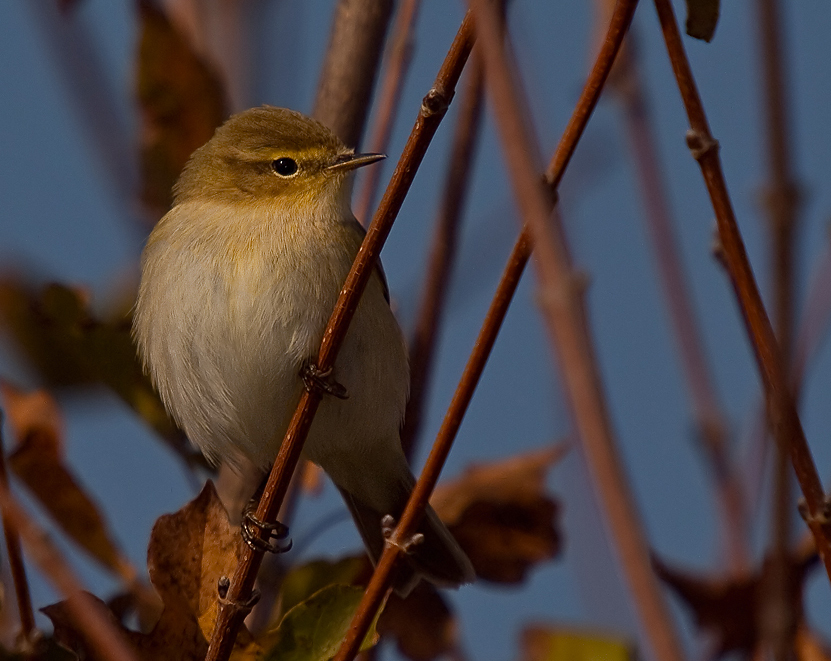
252 526
320 381
388 524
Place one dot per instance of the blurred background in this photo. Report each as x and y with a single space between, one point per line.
70 182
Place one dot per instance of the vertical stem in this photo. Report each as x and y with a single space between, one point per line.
352 58
18 569
710 419
560 296
784 419
781 199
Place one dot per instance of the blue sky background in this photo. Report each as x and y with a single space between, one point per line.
64 219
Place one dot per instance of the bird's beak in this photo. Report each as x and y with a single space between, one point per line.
346 162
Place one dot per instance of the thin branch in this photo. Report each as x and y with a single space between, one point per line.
355 45
381 578
784 419
813 329
432 111
91 619
709 416
389 98
777 619
442 254
561 300
18 569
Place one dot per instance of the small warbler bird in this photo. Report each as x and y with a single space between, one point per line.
238 282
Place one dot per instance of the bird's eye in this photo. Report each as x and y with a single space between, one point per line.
285 167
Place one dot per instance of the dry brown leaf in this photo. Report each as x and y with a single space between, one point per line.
39 461
182 101
728 608
502 516
188 552
809 647
422 625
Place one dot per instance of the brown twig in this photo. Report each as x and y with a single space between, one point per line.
442 253
355 45
784 419
379 584
380 581
389 97
18 569
813 328
777 616
709 416
560 296
90 618
432 111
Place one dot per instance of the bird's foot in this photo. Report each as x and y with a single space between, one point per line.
320 381
276 531
388 524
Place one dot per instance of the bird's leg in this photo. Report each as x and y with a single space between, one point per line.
388 524
276 531
320 381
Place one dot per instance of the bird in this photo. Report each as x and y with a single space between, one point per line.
238 281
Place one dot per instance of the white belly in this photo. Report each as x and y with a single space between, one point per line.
225 335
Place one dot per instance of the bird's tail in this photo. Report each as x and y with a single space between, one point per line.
438 558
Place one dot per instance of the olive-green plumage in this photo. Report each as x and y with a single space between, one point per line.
238 282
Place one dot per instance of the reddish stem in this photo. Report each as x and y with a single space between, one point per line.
18 569
784 419
92 620
710 419
381 578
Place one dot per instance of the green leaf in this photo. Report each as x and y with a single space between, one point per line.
314 629
702 18
303 581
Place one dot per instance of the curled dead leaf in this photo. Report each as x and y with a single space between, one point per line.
502 516
189 550
39 461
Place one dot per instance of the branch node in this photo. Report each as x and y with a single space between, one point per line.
822 518
700 144
222 586
243 607
435 102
